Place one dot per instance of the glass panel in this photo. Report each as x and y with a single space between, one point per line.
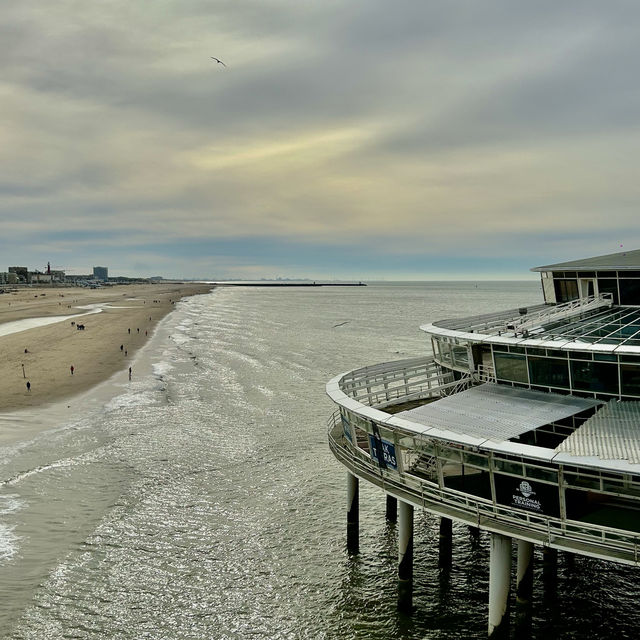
630 379
595 376
566 290
476 460
609 286
508 467
582 481
548 475
605 357
460 356
550 372
511 366
444 351
629 292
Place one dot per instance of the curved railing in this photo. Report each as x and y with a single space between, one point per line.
390 383
361 394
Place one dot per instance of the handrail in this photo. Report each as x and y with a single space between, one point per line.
606 542
523 319
381 385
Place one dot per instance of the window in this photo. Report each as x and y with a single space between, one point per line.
595 376
460 356
609 286
566 290
629 292
551 372
512 367
630 379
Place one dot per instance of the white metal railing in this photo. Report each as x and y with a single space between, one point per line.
527 319
485 373
384 384
598 540
460 385
528 323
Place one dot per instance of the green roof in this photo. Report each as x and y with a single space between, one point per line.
610 262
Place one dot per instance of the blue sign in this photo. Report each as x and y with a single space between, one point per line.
346 428
386 450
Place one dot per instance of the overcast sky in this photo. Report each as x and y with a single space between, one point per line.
344 139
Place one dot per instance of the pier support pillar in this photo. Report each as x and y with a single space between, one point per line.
392 509
524 573
445 546
405 557
446 527
353 513
499 582
549 572
549 560
524 589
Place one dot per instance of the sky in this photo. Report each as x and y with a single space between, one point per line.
354 139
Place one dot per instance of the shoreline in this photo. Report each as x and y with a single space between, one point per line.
107 346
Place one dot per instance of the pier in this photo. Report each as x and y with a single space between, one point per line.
523 424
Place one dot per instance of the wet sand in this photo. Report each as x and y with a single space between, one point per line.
127 320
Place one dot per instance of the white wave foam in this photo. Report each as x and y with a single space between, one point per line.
180 339
26 474
8 542
126 400
161 368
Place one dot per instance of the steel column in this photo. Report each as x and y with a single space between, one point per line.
499 583
392 509
405 557
353 513
524 573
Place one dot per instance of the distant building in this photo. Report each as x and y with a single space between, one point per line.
58 276
8 278
101 273
40 278
78 278
21 272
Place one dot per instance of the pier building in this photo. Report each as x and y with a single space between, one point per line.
523 423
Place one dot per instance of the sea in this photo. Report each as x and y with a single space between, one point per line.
200 499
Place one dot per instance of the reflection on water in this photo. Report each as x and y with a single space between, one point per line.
203 501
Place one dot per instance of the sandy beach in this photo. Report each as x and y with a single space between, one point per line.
43 355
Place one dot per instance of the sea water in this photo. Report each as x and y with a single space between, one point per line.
200 499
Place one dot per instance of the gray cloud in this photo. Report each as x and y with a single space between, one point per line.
407 127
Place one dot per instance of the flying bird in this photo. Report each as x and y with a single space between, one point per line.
218 61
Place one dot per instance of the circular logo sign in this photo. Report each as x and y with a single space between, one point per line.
526 489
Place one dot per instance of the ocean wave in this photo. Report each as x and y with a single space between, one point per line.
161 368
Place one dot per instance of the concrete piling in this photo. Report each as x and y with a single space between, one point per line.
392 509
499 584
405 557
353 513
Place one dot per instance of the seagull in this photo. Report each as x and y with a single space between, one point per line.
218 61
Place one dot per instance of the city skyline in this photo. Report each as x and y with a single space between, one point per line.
355 140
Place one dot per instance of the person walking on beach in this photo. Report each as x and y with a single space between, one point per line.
28 386
71 368
129 373
121 347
